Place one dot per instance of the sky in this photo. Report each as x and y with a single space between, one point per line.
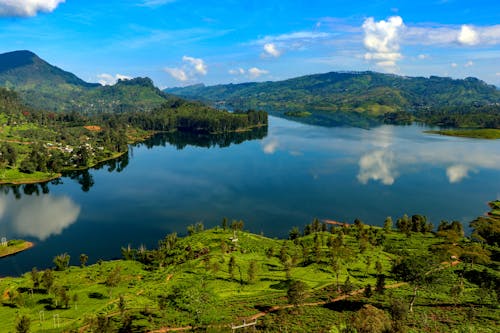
183 42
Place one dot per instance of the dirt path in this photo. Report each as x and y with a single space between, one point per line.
280 307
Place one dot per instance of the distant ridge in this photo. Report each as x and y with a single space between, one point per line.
364 92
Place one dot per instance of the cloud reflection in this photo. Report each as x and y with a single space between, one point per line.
378 166
456 173
271 146
39 217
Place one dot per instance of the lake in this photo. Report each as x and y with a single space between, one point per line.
271 180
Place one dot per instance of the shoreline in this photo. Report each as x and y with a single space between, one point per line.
471 133
138 139
16 249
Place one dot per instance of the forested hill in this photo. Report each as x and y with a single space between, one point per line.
364 92
44 86
24 69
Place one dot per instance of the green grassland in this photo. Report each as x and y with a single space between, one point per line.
483 133
14 246
188 282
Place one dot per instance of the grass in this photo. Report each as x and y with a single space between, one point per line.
482 133
13 247
14 176
206 294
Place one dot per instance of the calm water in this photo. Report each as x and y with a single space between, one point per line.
285 179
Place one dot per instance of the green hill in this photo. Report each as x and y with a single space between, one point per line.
369 93
354 278
24 70
44 86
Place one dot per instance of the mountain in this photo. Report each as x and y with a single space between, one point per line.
44 86
369 93
24 69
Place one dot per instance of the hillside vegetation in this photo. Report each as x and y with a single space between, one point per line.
323 278
391 98
37 145
46 87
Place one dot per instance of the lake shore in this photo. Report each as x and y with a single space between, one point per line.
480 133
16 248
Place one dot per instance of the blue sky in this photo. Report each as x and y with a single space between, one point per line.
182 42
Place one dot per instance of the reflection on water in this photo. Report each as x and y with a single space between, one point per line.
334 119
36 216
182 139
392 157
293 174
377 165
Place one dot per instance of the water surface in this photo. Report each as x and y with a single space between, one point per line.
273 181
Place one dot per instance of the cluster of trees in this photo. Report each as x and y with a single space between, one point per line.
177 114
461 116
417 223
58 141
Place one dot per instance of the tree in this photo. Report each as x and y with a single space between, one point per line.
224 223
231 266
114 277
269 252
367 292
296 292
61 261
418 271
23 324
252 271
486 229
63 296
336 267
388 224
47 279
371 320
121 304
35 277
404 225
83 259
380 284
347 287
294 233
378 267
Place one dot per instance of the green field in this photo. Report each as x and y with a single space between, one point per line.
188 282
483 133
14 246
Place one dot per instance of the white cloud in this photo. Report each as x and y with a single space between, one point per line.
155 3
27 7
382 41
275 45
108 79
469 64
454 65
377 165
192 68
423 56
238 71
255 72
177 74
303 36
198 64
271 146
468 36
443 35
271 50
456 173
497 74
